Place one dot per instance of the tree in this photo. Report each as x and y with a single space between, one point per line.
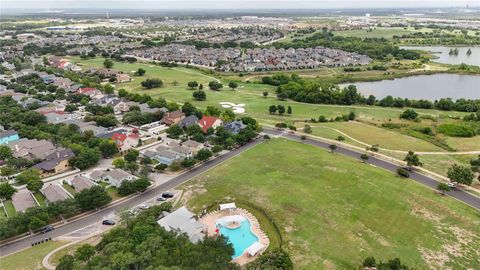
87 157
217 149
351 116
27 175
188 163
214 85
371 100
119 163
364 158
161 167
92 198
126 188
412 159
272 109
140 72
5 152
443 187
332 148
66 262
228 116
6 191
34 185
174 131
281 109
84 252
273 259
265 93
289 110
460 174
307 129
232 85
409 115
192 84
131 155
108 63
152 83
108 148
199 95
132 167
141 184
203 154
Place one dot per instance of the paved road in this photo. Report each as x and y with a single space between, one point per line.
134 201
430 182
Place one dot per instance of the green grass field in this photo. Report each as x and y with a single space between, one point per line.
334 211
40 198
10 208
69 188
29 259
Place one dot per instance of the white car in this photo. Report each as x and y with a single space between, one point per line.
452 184
143 206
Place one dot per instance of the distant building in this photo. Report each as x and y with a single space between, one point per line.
190 120
193 146
172 118
23 199
184 221
55 193
209 122
31 149
234 127
125 142
114 177
55 163
80 183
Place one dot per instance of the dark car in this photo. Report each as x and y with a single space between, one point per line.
167 195
47 229
108 222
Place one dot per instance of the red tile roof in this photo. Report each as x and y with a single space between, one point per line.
207 122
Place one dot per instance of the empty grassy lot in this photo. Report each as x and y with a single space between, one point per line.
29 259
333 211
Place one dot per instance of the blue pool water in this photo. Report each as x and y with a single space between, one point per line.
241 237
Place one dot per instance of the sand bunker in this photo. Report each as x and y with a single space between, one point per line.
236 108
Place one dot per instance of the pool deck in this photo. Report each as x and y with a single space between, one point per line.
211 218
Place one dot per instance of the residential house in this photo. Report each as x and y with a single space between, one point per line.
125 142
55 117
55 193
31 149
144 108
234 127
190 120
114 177
184 152
193 146
209 122
23 199
184 221
81 182
7 136
55 163
163 156
172 118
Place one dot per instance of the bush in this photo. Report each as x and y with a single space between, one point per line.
402 172
409 115
457 130
152 83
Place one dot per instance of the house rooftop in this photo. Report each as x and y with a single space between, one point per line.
55 193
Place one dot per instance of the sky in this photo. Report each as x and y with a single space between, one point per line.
227 4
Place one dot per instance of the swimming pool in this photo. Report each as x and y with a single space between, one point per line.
241 237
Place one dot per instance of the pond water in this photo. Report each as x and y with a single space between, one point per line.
442 52
429 87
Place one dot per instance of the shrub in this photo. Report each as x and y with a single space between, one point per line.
457 130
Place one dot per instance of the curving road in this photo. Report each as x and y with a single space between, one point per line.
149 194
420 178
178 180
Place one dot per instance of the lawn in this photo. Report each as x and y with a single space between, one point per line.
10 208
333 211
374 135
40 198
69 188
30 258
113 192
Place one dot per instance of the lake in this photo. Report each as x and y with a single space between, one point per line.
429 87
442 52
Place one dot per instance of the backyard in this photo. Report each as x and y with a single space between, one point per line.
332 213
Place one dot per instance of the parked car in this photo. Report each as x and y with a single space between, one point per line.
47 229
108 222
161 199
402 172
407 168
167 195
